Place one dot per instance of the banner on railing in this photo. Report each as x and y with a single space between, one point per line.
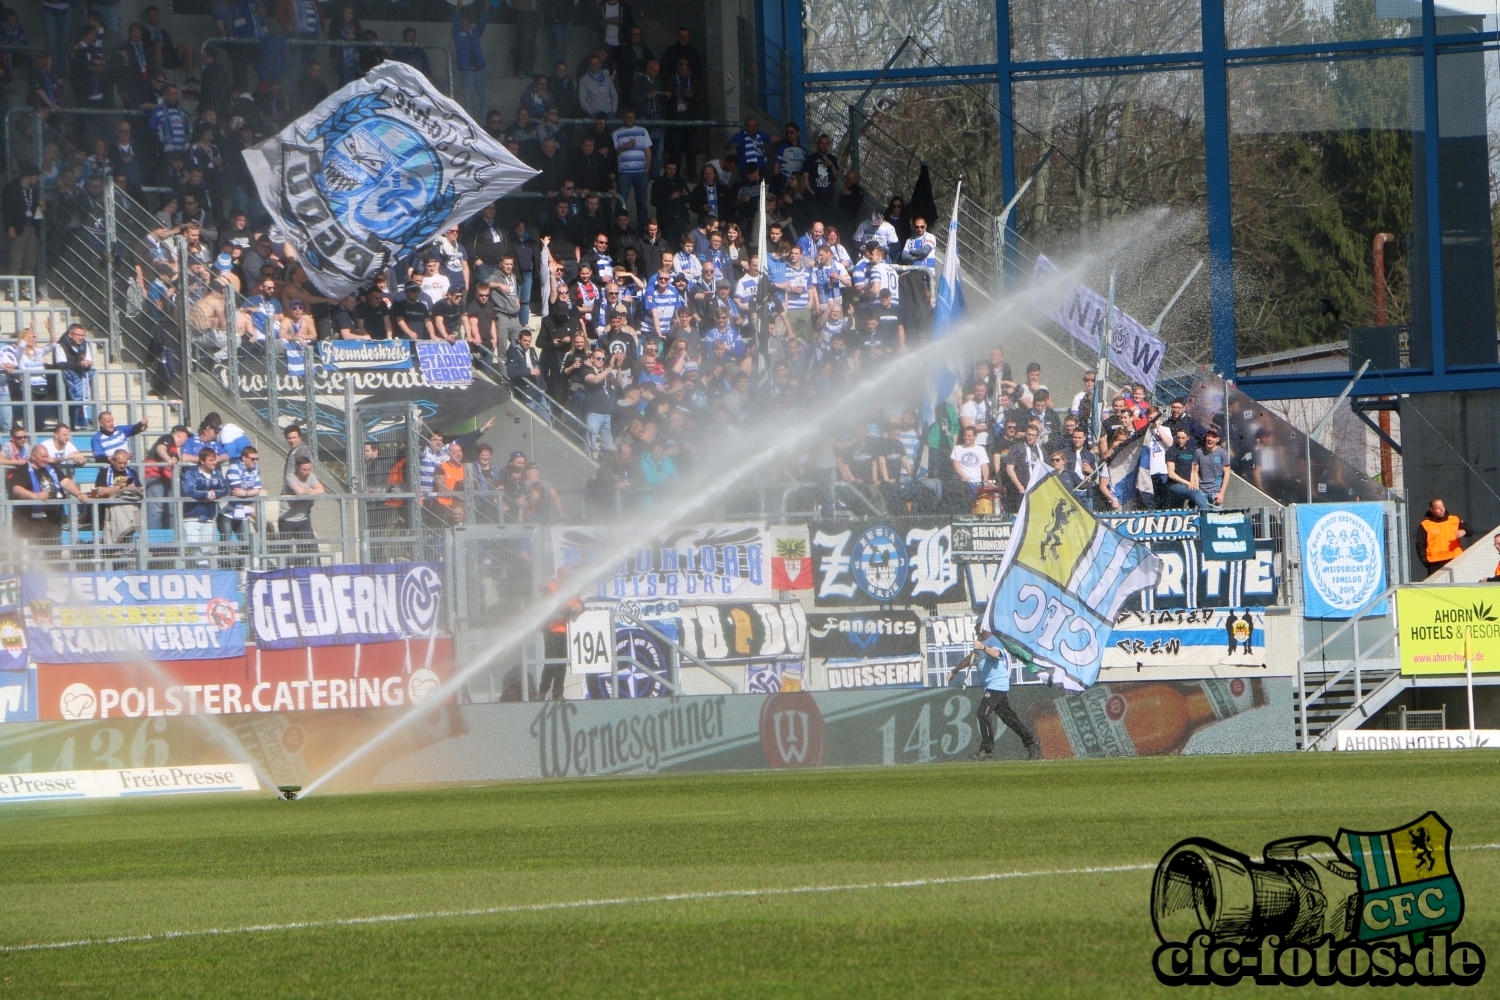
92 617
714 562
344 605
848 635
353 356
374 172
1343 558
874 562
385 675
447 366
1198 639
1134 350
728 633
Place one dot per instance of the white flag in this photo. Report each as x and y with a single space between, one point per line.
374 172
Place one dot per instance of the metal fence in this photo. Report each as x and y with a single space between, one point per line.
294 54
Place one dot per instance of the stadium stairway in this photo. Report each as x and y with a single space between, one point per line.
118 383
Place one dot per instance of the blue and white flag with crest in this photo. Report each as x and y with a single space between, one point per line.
375 172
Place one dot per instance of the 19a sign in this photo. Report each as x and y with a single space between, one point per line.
591 642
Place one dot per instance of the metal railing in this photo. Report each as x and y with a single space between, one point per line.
1383 646
106 534
317 43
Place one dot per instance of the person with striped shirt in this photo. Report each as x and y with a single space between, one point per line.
243 479
633 164
800 295
110 439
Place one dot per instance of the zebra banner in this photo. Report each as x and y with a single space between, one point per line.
1065 577
374 173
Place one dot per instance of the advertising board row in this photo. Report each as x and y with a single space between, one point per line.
465 743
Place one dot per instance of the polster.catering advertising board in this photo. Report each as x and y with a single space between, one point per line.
382 675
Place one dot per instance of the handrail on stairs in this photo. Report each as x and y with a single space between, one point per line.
1359 706
1303 698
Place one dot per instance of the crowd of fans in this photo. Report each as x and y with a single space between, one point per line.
622 284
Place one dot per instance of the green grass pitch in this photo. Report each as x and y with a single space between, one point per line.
109 869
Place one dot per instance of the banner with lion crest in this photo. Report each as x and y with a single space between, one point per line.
375 172
1064 579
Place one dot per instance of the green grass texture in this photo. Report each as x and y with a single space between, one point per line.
110 869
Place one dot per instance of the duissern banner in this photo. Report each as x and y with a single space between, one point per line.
1442 626
374 172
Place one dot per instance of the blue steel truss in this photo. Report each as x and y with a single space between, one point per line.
781 39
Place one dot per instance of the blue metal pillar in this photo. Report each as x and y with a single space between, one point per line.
793 41
1433 187
1005 98
1216 162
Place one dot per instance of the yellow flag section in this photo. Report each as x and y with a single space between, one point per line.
1440 626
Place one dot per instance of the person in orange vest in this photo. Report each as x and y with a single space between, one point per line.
1496 577
1441 538
449 480
555 638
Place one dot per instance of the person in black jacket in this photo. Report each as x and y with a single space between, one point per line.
218 82
73 355
669 196
21 206
523 366
710 199
487 242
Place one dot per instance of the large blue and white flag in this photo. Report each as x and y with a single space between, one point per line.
374 172
949 312
1063 580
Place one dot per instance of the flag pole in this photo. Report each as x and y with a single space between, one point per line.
1469 683
762 284
1102 371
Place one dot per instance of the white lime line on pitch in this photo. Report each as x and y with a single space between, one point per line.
578 904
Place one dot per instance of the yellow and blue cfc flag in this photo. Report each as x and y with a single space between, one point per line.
1062 582
1406 884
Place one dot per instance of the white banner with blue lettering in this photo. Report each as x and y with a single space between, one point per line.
344 605
374 172
1343 558
1133 348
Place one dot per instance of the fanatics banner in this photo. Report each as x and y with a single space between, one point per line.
375 172
853 635
344 605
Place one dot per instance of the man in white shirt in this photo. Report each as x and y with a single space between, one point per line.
921 249
969 461
975 413
61 446
876 229
434 282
